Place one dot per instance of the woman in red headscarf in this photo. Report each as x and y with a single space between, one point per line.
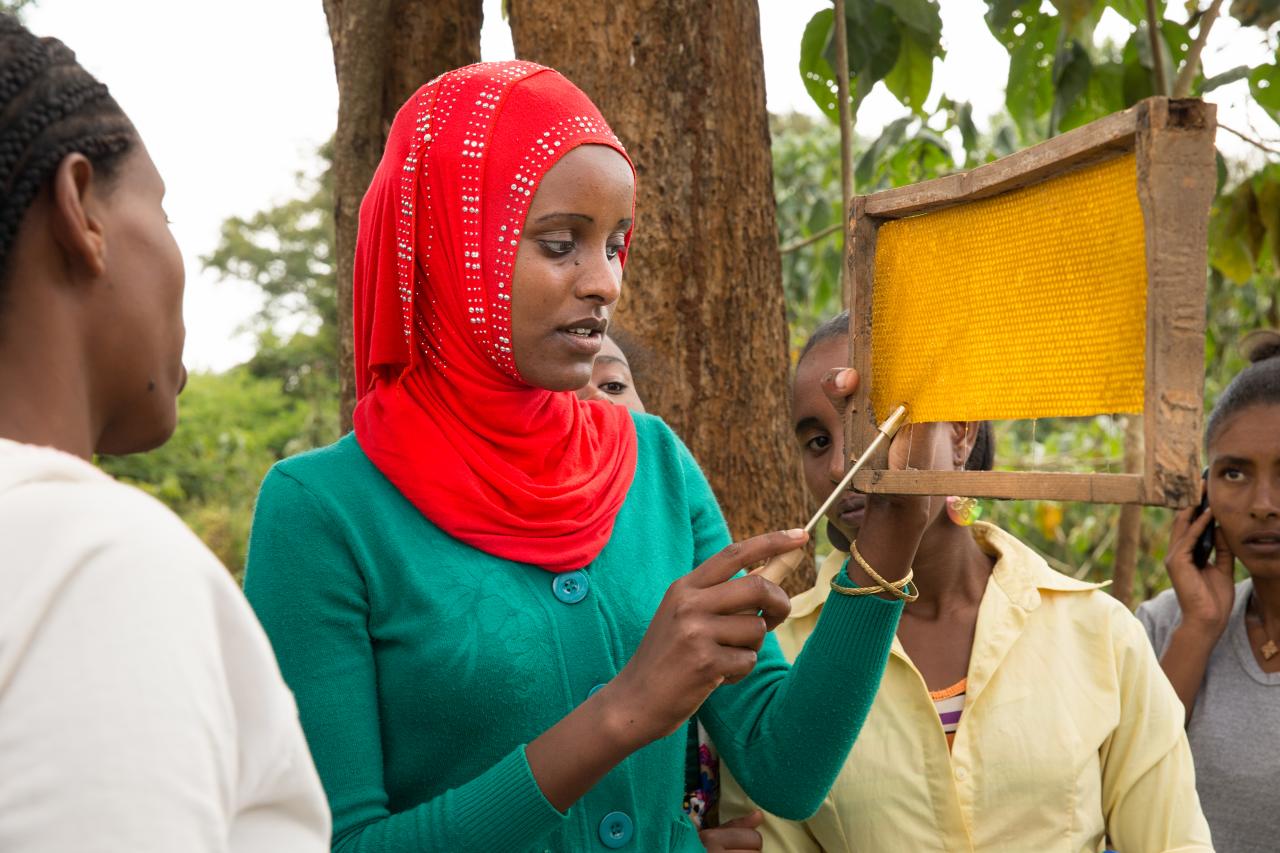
498 605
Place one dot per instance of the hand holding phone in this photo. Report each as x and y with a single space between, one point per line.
1202 550
1200 567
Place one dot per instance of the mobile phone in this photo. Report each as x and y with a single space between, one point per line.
1203 548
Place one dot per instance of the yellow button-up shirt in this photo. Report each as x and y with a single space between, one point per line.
1070 734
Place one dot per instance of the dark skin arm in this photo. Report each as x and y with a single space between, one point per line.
951 570
1205 597
705 633
893 524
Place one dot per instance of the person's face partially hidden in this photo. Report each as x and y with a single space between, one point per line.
611 379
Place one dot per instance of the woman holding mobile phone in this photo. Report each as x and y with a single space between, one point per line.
1219 641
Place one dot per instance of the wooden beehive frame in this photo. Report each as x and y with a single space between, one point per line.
1177 176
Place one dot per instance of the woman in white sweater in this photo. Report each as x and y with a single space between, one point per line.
141 708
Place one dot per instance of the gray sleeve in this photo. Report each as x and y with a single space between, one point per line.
1159 617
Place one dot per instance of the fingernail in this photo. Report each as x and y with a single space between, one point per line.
796 533
843 380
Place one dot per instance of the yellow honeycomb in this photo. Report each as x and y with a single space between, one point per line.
1031 304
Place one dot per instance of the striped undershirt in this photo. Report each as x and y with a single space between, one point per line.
949 702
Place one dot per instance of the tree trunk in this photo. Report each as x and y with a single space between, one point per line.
383 50
683 87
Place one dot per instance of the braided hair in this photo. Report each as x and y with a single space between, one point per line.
983 455
50 107
1256 385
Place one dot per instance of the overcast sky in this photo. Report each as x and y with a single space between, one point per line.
233 98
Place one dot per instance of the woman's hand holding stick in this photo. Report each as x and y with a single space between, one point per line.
707 632
893 525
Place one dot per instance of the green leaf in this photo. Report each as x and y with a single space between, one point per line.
1105 96
1175 44
923 156
1136 59
922 16
869 162
1133 11
1029 93
1002 15
1267 191
968 130
1240 72
873 35
1073 11
1004 143
1072 70
873 42
1264 83
815 70
1236 232
912 75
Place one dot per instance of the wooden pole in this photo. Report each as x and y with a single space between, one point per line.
1129 528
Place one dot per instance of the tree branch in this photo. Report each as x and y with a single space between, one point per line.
842 91
1182 85
846 127
1249 139
1157 58
811 239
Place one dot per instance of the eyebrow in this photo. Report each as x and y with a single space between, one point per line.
1232 460
612 358
808 423
544 217
625 222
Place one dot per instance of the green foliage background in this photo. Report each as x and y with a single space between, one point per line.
235 425
1058 79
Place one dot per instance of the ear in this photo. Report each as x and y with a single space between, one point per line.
963 436
77 227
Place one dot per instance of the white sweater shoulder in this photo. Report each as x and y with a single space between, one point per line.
141 707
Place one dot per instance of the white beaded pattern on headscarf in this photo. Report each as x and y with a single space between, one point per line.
435 106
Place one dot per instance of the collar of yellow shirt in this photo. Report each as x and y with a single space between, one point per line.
1019 573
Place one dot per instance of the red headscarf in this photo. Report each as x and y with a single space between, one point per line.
519 472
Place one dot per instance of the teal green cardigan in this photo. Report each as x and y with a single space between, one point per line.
422 666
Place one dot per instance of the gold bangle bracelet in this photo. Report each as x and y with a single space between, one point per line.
855 590
897 588
872 590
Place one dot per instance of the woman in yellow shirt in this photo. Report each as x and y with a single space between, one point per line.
1021 709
